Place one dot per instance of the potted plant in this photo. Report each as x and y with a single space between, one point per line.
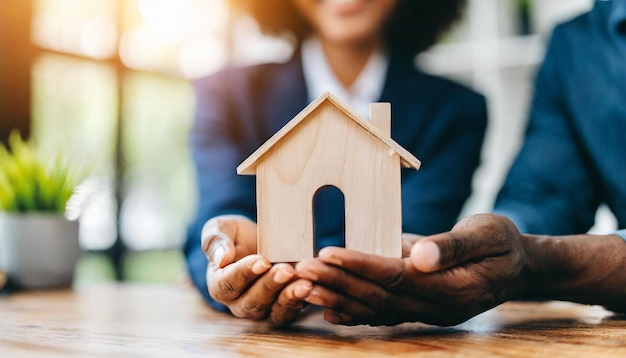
39 247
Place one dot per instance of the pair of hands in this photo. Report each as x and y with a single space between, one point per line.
443 279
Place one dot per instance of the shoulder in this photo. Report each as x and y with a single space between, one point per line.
575 24
584 29
574 46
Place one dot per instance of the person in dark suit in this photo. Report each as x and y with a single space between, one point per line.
361 51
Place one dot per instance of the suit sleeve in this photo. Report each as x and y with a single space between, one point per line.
218 146
432 198
549 189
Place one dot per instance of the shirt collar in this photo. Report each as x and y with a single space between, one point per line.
319 77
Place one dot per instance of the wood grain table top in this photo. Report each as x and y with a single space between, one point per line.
170 321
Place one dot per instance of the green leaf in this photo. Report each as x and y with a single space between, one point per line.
32 182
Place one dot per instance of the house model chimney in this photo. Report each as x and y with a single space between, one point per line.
380 116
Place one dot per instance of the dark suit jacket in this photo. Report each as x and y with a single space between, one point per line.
574 154
440 122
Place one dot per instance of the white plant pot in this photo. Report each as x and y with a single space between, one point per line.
38 250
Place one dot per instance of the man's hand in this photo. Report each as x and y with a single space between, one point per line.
447 279
408 240
247 283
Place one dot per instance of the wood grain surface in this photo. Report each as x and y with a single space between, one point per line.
164 321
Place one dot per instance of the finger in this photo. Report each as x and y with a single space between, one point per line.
345 310
227 238
322 296
408 240
229 283
220 250
243 231
382 283
256 302
475 237
365 301
290 302
368 292
226 224
385 271
218 247
335 317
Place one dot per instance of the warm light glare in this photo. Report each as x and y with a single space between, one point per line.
99 37
139 50
167 21
202 57
186 37
250 46
85 28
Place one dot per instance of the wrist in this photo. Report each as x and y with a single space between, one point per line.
586 269
534 279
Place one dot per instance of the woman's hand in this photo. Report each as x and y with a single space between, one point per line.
248 284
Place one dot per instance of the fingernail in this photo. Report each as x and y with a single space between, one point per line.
323 252
329 258
332 317
303 269
427 254
282 276
302 291
308 275
345 317
259 267
315 300
218 254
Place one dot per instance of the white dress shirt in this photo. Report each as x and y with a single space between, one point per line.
319 77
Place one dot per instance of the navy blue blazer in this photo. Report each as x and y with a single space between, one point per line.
574 153
442 123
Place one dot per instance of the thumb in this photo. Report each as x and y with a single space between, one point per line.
425 255
219 249
473 238
218 246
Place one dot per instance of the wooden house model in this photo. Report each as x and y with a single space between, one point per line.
329 144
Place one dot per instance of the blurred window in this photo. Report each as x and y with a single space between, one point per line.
111 87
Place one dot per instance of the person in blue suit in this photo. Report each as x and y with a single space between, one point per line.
362 51
536 248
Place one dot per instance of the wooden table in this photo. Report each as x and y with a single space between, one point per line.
164 321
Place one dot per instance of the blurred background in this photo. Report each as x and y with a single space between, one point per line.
109 83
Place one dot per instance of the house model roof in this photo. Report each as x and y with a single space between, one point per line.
248 166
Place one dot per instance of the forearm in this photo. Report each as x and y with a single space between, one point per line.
587 269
